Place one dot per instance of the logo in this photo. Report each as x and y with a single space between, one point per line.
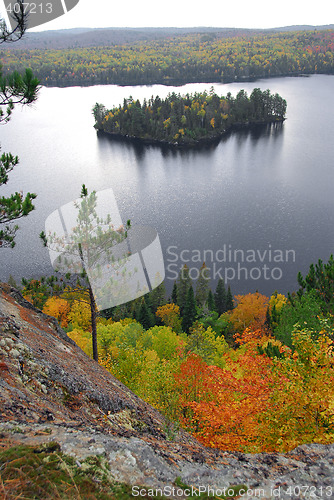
121 263
36 13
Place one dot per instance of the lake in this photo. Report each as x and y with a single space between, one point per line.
258 206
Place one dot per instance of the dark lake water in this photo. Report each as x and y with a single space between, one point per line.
258 207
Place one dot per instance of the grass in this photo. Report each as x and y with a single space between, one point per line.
31 472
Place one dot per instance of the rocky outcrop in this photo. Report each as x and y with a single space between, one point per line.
51 391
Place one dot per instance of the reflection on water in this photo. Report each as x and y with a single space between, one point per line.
260 192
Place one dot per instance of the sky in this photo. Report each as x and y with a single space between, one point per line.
186 13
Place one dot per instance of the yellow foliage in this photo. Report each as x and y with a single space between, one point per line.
278 300
59 309
82 339
170 316
80 315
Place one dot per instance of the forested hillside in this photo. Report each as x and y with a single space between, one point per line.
248 373
180 59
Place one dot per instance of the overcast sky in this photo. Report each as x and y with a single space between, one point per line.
217 13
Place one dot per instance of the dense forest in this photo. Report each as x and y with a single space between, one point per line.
248 373
180 59
190 118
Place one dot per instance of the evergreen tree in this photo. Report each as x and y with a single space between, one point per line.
87 248
211 301
229 300
220 297
14 89
20 15
202 286
144 316
320 278
189 314
183 285
157 297
174 294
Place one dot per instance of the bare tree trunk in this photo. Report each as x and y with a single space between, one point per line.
93 323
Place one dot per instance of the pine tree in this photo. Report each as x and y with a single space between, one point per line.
14 89
211 301
190 312
144 316
202 286
157 297
86 249
220 297
183 285
174 294
229 300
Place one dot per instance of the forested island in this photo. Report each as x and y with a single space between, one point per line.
189 119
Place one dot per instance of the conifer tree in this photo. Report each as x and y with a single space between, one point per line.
144 316
14 89
190 312
211 301
157 297
89 247
174 294
183 285
202 286
229 299
220 297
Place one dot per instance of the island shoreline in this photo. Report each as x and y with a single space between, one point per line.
194 144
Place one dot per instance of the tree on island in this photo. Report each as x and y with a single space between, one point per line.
14 89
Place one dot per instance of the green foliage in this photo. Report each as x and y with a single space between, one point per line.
190 118
320 278
307 311
144 360
145 316
183 284
14 89
202 286
190 311
220 297
205 344
17 89
219 325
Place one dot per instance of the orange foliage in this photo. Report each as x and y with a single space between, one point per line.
251 336
229 403
58 308
250 311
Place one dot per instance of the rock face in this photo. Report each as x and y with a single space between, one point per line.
51 391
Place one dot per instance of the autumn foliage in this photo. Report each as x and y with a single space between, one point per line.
170 315
250 311
259 395
58 308
258 403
